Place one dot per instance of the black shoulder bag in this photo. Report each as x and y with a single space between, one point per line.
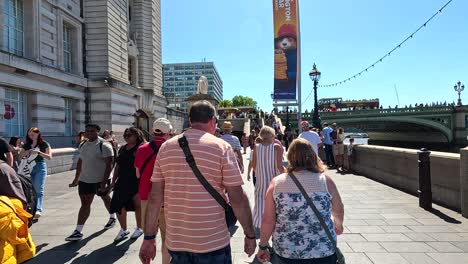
229 213
339 256
155 151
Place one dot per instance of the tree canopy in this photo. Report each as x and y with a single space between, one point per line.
238 100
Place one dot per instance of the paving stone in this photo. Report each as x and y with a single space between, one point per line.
420 237
375 222
351 237
449 257
366 229
344 247
432 229
357 258
406 222
410 247
396 229
397 216
387 258
366 247
386 237
461 245
418 258
447 237
356 223
444 247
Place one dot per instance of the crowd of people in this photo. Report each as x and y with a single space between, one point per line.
189 188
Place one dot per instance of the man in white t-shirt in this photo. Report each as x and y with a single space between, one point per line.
311 136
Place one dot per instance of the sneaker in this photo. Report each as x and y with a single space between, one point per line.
111 223
121 235
37 215
137 233
77 235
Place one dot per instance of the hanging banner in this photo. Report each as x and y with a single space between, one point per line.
286 53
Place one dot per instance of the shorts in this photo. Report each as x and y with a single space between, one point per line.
161 219
91 188
338 149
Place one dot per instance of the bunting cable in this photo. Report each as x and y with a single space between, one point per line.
385 56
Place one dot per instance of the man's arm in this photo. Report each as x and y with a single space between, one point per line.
241 206
268 222
107 171
77 174
240 159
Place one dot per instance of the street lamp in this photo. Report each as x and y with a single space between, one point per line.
459 87
314 75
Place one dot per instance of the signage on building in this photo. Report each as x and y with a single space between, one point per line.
286 58
9 112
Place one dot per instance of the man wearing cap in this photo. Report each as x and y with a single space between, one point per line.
311 136
144 164
234 142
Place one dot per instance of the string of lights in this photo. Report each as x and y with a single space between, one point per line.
385 56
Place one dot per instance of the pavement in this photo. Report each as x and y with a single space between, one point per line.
382 226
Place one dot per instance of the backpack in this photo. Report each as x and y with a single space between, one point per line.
31 196
101 142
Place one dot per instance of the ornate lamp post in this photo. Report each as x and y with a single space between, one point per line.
459 87
314 75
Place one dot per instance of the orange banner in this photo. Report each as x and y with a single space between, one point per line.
286 30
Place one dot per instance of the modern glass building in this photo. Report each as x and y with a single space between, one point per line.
180 82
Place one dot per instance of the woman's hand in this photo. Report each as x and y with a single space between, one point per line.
248 177
338 229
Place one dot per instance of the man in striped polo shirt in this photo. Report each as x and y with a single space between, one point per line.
234 142
196 230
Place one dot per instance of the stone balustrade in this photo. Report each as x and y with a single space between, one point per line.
63 159
398 168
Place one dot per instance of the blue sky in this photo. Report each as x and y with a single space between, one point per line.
342 37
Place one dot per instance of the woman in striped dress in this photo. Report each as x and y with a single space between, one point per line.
267 163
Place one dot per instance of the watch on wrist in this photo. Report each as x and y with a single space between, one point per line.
262 247
149 237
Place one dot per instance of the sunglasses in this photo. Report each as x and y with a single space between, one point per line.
127 135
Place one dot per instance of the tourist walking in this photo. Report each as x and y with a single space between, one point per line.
5 152
338 148
125 197
298 236
233 141
144 164
92 177
267 162
245 142
326 131
35 152
15 145
197 231
311 136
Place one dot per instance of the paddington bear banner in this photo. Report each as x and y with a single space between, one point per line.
286 57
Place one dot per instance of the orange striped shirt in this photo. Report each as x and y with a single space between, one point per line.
194 220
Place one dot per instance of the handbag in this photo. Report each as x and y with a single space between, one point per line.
228 211
340 259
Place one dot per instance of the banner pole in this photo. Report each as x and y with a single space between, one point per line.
299 91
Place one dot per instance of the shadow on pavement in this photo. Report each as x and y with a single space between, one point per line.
444 217
108 254
62 253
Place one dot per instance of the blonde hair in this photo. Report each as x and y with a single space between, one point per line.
302 156
266 131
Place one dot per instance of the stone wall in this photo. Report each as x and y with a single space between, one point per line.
64 159
398 168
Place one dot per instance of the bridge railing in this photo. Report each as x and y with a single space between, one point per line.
377 112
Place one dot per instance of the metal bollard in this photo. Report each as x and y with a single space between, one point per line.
425 192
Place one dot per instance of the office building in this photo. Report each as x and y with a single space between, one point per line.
181 79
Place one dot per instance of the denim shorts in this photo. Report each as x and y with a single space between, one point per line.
220 256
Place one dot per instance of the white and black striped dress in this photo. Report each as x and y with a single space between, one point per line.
265 170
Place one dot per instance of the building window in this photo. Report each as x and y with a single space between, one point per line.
13 31
15 112
67 48
68 117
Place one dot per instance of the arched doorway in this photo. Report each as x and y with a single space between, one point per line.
142 122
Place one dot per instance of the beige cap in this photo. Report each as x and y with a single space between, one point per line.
227 125
163 125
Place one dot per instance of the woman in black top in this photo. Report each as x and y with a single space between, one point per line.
33 155
15 145
125 182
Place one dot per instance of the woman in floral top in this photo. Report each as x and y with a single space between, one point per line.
298 236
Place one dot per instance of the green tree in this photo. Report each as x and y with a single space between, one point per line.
225 103
240 100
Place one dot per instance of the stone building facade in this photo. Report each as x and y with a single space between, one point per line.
64 63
